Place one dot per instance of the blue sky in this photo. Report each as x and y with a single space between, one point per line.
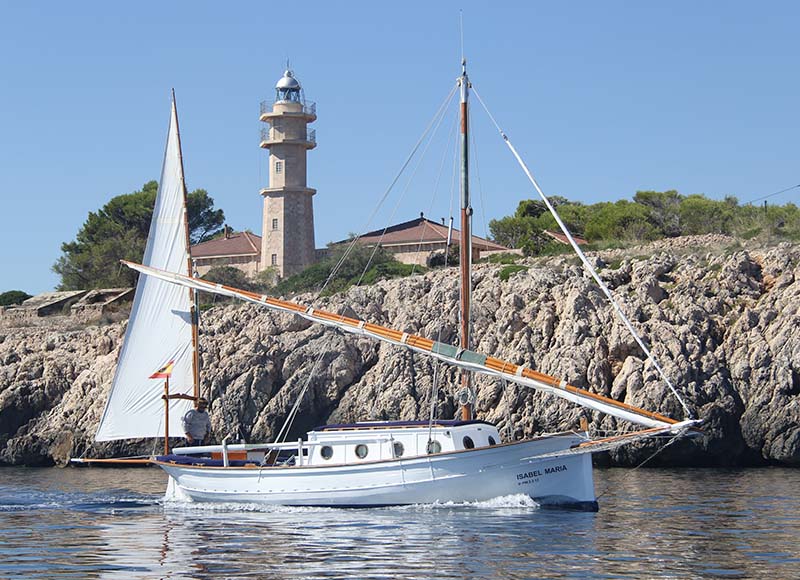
601 98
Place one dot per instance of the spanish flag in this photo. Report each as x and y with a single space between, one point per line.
164 372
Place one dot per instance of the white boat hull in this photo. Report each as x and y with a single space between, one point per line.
461 476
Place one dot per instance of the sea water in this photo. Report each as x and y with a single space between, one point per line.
113 523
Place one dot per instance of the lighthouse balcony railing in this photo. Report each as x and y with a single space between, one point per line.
268 134
308 107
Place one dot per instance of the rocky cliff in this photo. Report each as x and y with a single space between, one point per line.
721 319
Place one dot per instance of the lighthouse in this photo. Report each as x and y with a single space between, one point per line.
287 242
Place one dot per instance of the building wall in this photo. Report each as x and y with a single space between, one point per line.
288 243
250 265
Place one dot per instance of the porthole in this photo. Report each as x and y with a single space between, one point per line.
434 447
326 452
492 441
361 451
398 449
468 442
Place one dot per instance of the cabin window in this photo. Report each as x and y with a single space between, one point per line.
279 167
274 259
434 447
398 449
468 442
326 452
492 441
274 223
361 451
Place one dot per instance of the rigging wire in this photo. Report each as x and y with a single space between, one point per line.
287 424
509 426
438 364
773 194
477 167
401 197
435 191
419 142
434 123
672 440
586 263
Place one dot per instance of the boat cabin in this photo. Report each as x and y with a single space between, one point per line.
377 441
349 444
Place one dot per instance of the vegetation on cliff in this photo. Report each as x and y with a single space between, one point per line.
345 266
13 297
118 231
651 215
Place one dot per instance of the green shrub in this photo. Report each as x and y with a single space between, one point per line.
504 258
510 270
343 268
13 297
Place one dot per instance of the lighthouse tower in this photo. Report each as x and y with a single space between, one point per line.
287 242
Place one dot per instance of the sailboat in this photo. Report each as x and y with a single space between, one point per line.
359 464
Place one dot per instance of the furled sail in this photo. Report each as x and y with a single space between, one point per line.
462 358
160 326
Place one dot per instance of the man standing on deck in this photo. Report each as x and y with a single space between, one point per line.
197 424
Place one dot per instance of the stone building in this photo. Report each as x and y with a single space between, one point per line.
414 241
241 250
287 241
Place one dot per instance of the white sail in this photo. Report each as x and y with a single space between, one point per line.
160 328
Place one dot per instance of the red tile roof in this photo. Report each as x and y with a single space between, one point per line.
421 231
559 237
237 244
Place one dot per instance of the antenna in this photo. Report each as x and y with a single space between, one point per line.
461 27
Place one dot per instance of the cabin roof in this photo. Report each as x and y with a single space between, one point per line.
235 244
398 425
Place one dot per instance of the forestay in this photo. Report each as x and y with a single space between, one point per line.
159 328
462 358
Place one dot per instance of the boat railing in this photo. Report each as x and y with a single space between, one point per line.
299 445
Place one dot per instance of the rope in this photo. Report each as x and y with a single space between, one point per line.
587 265
656 452
287 424
773 194
509 426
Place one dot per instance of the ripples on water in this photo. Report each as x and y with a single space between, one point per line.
112 523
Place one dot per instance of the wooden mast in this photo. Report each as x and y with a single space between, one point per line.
194 313
465 246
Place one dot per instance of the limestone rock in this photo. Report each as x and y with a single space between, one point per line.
722 320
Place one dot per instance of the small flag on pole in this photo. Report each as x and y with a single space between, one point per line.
164 372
